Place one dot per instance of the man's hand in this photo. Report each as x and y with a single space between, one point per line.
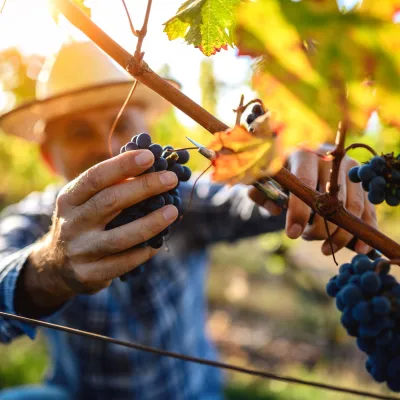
78 255
315 172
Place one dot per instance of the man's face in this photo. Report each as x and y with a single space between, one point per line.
76 142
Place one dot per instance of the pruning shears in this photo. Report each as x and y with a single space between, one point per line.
274 192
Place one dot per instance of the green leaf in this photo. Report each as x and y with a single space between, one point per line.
206 24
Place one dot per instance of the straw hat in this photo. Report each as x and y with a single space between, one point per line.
80 77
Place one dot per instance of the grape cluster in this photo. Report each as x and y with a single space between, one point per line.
256 112
369 299
165 158
380 177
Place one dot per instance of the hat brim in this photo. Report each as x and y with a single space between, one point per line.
28 120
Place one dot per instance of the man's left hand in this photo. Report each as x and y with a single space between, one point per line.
314 171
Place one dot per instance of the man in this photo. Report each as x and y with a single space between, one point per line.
58 264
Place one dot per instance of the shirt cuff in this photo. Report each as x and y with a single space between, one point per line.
8 282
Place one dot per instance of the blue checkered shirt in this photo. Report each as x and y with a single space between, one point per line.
164 308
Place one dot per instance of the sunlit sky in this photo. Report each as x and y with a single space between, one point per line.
28 25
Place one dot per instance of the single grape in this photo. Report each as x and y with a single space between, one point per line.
143 141
378 183
331 288
156 149
376 196
391 198
161 164
122 150
187 174
351 295
134 139
179 171
378 163
362 312
183 156
257 110
371 282
361 264
366 173
353 175
380 305
156 242
155 203
131 146
250 118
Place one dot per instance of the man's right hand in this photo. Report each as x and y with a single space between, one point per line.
78 255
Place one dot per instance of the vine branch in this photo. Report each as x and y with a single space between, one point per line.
341 217
361 145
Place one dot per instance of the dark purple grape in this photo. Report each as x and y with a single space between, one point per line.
134 139
157 150
250 118
161 164
184 156
366 173
143 141
168 198
378 163
353 175
156 242
187 174
131 146
174 192
122 150
178 170
376 196
148 170
166 231
168 147
155 203
257 110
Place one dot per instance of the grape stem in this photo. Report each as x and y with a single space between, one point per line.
338 155
141 71
242 108
360 145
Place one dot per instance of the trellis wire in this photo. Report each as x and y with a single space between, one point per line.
217 364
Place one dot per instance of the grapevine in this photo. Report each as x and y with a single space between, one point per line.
380 177
369 298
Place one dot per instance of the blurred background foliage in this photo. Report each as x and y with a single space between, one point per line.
268 307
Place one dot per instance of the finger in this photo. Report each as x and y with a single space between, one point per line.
89 278
94 246
105 174
106 205
317 230
354 204
305 167
369 217
260 199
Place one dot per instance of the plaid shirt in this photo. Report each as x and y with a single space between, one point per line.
165 307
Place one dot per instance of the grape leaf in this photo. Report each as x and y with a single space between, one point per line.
205 24
244 157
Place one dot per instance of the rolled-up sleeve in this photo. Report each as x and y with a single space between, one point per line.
10 267
21 225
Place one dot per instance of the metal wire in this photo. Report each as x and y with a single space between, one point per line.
249 371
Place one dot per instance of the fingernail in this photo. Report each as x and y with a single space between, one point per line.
168 178
295 231
144 157
170 213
